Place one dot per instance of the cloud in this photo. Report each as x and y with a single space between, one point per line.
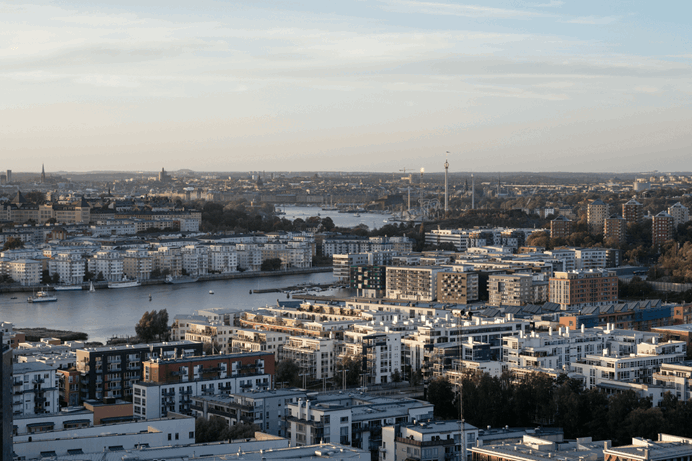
450 9
593 20
550 4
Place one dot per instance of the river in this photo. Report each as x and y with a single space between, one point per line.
372 220
110 312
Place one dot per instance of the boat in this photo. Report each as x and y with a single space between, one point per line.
13 297
357 215
211 292
68 288
41 297
91 288
124 284
149 297
384 220
177 280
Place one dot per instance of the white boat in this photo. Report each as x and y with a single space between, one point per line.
41 297
91 288
177 280
357 215
68 288
211 292
124 284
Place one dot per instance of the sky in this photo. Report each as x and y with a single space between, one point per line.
362 85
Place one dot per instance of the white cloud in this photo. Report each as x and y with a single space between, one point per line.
593 20
451 9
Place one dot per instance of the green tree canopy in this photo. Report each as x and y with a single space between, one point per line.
153 325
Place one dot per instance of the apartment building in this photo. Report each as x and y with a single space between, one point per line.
316 357
568 257
69 266
213 334
638 315
258 341
675 378
249 256
265 408
583 288
413 283
666 448
428 441
108 263
168 259
510 289
596 213
137 264
680 214
638 367
34 389
457 237
590 258
342 263
633 211
222 259
662 229
380 350
560 227
615 229
348 419
195 260
111 371
24 271
368 281
169 385
457 287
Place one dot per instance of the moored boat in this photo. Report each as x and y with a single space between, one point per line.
124 284
68 288
41 297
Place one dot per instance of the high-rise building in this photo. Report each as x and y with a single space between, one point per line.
633 211
457 287
662 229
560 227
597 212
680 214
615 228
583 288
43 173
9 176
510 289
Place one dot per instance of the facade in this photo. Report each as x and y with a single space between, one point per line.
560 227
633 212
676 379
457 287
666 448
615 228
590 258
583 288
510 289
316 357
6 400
381 353
662 229
258 341
597 211
641 316
413 283
268 409
222 259
369 281
107 263
428 441
34 389
25 271
137 264
680 214
112 371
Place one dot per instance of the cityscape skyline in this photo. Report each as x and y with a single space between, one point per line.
377 86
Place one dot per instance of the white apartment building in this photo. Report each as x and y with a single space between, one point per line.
316 357
195 260
381 351
69 266
249 256
565 255
675 378
168 258
215 334
108 263
680 214
413 283
457 237
341 263
633 368
222 259
430 441
152 400
34 389
590 258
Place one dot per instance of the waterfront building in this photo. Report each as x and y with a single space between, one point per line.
108 263
430 440
195 260
137 264
111 371
223 259
26 272
583 288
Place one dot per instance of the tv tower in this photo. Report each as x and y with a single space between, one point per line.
446 172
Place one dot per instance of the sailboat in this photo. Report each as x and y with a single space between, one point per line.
91 288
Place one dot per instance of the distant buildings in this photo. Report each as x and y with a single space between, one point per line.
597 211
560 227
510 289
662 229
615 228
583 288
680 214
633 212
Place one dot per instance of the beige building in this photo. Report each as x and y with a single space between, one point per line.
413 283
615 228
137 264
457 287
510 289
597 212
680 214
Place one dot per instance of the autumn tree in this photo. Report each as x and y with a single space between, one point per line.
153 325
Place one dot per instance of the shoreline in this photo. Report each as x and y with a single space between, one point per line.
162 281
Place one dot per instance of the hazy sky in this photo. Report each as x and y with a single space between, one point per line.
541 85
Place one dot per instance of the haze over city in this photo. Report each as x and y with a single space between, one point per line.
539 85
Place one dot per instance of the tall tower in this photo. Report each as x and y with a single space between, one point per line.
43 173
446 172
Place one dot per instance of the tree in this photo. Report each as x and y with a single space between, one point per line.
441 395
155 273
153 325
55 278
216 429
288 371
353 364
100 277
396 376
271 264
12 244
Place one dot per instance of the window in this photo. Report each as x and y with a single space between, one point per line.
344 419
169 436
176 436
191 435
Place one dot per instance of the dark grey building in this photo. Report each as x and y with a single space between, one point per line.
6 405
